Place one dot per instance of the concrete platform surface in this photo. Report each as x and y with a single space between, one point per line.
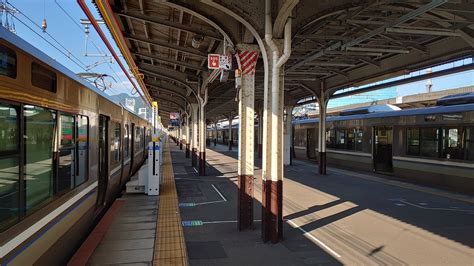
130 237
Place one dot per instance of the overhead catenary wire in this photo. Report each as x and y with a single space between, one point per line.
92 41
69 54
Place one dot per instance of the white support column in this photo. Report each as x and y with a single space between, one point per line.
215 133
322 102
247 55
272 191
287 135
187 137
202 129
260 132
229 141
194 142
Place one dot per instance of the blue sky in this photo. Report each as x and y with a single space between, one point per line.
64 30
72 37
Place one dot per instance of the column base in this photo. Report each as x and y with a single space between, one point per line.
187 150
322 163
202 163
272 211
194 157
245 202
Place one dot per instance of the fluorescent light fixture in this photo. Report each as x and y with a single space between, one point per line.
379 50
423 32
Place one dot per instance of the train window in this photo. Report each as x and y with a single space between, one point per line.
358 139
429 142
67 152
126 142
413 141
40 125
138 138
43 78
116 143
469 151
452 143
9 165
82 149
7 62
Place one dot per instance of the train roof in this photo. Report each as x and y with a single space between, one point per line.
406 112
33 51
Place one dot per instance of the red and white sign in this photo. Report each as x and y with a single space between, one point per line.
248 61
213 61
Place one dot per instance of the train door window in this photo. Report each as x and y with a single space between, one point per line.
383 149
115 145
103 158
413 141
67 151
43 78
429 142
452 143
358 139
137 139
82 149
7 62
331 138
350 139
341 139
469 151
9 165
40 135
126 140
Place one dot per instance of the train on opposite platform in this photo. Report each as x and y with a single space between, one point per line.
431 145
66 152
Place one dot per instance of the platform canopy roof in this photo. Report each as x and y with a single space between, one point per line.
335 44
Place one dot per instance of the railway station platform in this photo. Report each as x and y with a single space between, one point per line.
345 217
139 229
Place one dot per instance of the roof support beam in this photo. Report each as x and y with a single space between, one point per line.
175 25
171 46
381 29
164 73
171 61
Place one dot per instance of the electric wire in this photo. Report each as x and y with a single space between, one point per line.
59 50
92 41
54 39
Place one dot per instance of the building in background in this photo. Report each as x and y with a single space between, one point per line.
130 104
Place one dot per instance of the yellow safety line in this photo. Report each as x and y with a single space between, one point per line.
170 247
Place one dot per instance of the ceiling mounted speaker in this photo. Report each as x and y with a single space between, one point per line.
196 41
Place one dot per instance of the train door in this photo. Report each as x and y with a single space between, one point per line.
103 158
132 150
382 149
311 143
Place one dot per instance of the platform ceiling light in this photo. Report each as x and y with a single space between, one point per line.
378 50
335 64
196 41
423 32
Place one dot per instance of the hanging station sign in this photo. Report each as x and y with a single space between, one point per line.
218 61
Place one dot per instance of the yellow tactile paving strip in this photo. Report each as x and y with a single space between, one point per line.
170 248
